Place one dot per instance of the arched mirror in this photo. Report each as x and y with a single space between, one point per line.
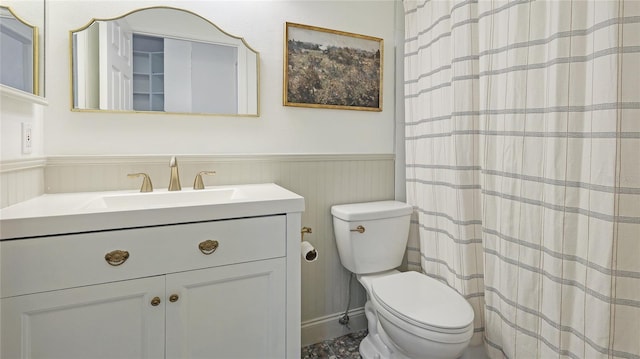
19 49
162 60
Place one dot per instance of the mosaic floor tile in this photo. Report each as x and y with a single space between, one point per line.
318 350
344 347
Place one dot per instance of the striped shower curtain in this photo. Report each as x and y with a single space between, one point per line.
523 164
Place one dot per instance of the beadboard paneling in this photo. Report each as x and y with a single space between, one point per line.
21 180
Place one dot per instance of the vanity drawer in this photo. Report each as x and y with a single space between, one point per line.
50 263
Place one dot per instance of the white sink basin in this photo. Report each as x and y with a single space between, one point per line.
165 198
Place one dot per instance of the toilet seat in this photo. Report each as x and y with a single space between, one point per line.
422 302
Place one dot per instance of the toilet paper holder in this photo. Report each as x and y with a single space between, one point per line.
309 254
303 231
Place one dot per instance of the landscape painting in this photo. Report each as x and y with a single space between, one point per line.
332 69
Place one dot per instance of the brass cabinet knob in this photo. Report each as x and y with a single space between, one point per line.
117 257
155 301
207 247
174 298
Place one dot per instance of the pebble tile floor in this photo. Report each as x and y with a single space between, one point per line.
344 347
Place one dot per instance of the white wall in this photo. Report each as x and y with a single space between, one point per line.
279 129
15 112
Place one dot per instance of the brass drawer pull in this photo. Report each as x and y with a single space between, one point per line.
117 257
174 298
155 301
359 229
209 246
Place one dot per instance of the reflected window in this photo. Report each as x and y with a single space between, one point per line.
16 47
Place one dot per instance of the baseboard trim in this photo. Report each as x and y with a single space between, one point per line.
324 328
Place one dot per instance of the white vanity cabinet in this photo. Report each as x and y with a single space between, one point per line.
210 289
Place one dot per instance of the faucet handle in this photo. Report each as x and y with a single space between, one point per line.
146 181
198 183
174 180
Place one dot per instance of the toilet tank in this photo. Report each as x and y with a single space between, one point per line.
381 245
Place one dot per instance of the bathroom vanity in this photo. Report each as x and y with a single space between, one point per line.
191 274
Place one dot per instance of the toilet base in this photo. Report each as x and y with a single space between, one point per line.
376 345
370 349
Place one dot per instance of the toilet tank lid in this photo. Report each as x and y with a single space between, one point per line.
371 210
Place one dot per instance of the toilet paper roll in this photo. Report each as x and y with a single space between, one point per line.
309 253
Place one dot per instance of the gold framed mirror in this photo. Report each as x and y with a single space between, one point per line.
19 49
162 60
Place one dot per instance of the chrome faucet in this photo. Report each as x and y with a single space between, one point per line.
174 181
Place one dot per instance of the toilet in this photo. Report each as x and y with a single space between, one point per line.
409 314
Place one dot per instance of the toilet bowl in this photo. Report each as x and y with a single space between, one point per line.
422 317
409 314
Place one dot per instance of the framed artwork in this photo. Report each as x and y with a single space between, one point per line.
326 68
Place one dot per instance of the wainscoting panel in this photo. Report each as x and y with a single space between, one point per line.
21 180
323 180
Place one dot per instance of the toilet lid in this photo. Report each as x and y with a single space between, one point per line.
422 301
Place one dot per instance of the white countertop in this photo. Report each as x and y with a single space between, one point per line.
65 213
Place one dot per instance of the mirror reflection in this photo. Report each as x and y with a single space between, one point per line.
164 60
19 48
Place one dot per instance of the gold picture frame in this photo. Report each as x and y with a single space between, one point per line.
326 68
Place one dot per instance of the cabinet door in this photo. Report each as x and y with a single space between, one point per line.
234 311
114 320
